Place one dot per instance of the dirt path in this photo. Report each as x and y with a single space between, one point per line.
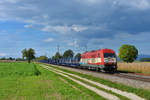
112 78
99 92
126 94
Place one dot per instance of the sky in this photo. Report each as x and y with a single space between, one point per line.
73 24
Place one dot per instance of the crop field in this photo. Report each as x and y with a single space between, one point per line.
139 67
23 81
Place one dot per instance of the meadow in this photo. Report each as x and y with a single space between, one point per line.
140 92
23 81
10 69
138 67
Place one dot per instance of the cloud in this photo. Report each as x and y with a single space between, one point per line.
78 16
3 54
49 40
90 2
78 28
58 29
133 4
64 29
9 1
28 26
95 23
141 4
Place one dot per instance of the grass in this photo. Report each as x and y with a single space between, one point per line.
140 92
107 91
22 81
91 95
17 69
138 67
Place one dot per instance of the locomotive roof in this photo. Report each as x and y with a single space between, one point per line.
96 50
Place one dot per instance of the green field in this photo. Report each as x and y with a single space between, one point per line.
22 81
17 69
140 92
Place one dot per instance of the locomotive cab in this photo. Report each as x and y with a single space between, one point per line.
110 61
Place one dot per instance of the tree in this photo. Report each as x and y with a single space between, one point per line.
78 55
29 54
42 58
3 58
128 53
10 58
68 53
57 56
19 59
24 53
53 57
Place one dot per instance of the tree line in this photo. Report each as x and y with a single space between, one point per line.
145 59
127 53
29 55
67 54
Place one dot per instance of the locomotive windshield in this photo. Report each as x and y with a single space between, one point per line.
107 55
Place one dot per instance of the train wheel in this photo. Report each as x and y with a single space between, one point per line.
98 69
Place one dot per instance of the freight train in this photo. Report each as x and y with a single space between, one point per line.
103 59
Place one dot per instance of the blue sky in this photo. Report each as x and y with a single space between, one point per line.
73 24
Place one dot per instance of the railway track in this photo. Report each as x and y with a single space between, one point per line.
129 79
120 74
129 76
134 77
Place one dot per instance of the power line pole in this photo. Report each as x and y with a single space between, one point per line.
58 48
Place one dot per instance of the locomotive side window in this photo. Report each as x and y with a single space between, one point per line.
106 55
